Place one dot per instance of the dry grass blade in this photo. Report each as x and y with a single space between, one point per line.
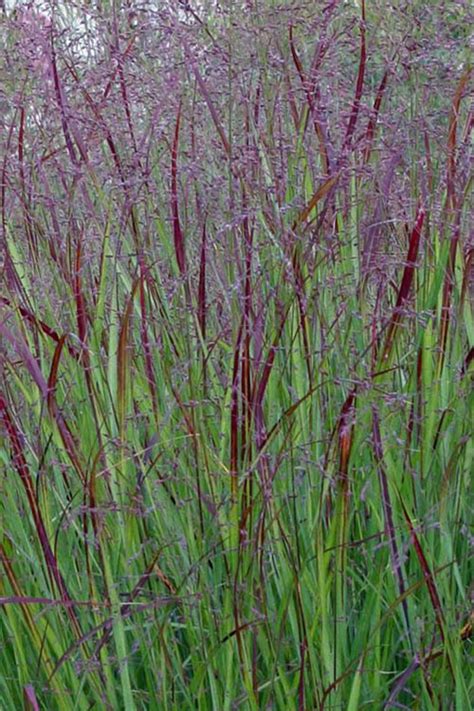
147 350
453 125
451 210
345 435
309 92
40 325
372 124
406 283
177 231
318 195
428 575
65 431
360 80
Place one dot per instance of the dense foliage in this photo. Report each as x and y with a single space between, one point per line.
236 345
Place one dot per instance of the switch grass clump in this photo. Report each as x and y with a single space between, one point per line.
236 345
